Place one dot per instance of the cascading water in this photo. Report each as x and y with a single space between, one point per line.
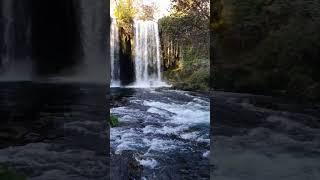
114 53
147 54
7 39
15 36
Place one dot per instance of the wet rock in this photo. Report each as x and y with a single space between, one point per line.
125 166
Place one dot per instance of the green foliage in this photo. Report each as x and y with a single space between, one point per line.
197 8
125 11
199 80
114 121
8 174
193 75
189 22
187 30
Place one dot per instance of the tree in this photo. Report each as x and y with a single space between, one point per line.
125 11
185 40
199 8
148 12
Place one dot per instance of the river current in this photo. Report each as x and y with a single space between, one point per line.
165 131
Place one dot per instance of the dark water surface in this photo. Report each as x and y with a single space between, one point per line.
54 131
264 138
59 131
163 134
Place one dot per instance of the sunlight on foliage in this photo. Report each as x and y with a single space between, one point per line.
125 11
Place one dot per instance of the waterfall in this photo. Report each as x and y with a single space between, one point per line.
15 48
7 32
146 62
114 53
147 54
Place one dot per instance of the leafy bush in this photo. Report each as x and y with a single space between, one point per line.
199 80
125 11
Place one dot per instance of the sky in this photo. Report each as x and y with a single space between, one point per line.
164 6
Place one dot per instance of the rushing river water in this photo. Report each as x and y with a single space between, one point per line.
264 138
165 131
60 131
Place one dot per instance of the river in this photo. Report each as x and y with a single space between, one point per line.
163 133
54 130
59 130
262 138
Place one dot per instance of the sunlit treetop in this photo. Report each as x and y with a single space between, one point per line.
125 10
163 7
200 8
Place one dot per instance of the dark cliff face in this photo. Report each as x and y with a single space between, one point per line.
126 58
55 35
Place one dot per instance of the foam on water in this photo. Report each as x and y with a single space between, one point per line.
173 122
148 84
190 113
206 154
166 130
148 162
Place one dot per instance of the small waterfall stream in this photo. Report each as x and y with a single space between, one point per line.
7 14
15 37
114 53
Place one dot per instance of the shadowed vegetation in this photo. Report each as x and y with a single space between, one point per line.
267 47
